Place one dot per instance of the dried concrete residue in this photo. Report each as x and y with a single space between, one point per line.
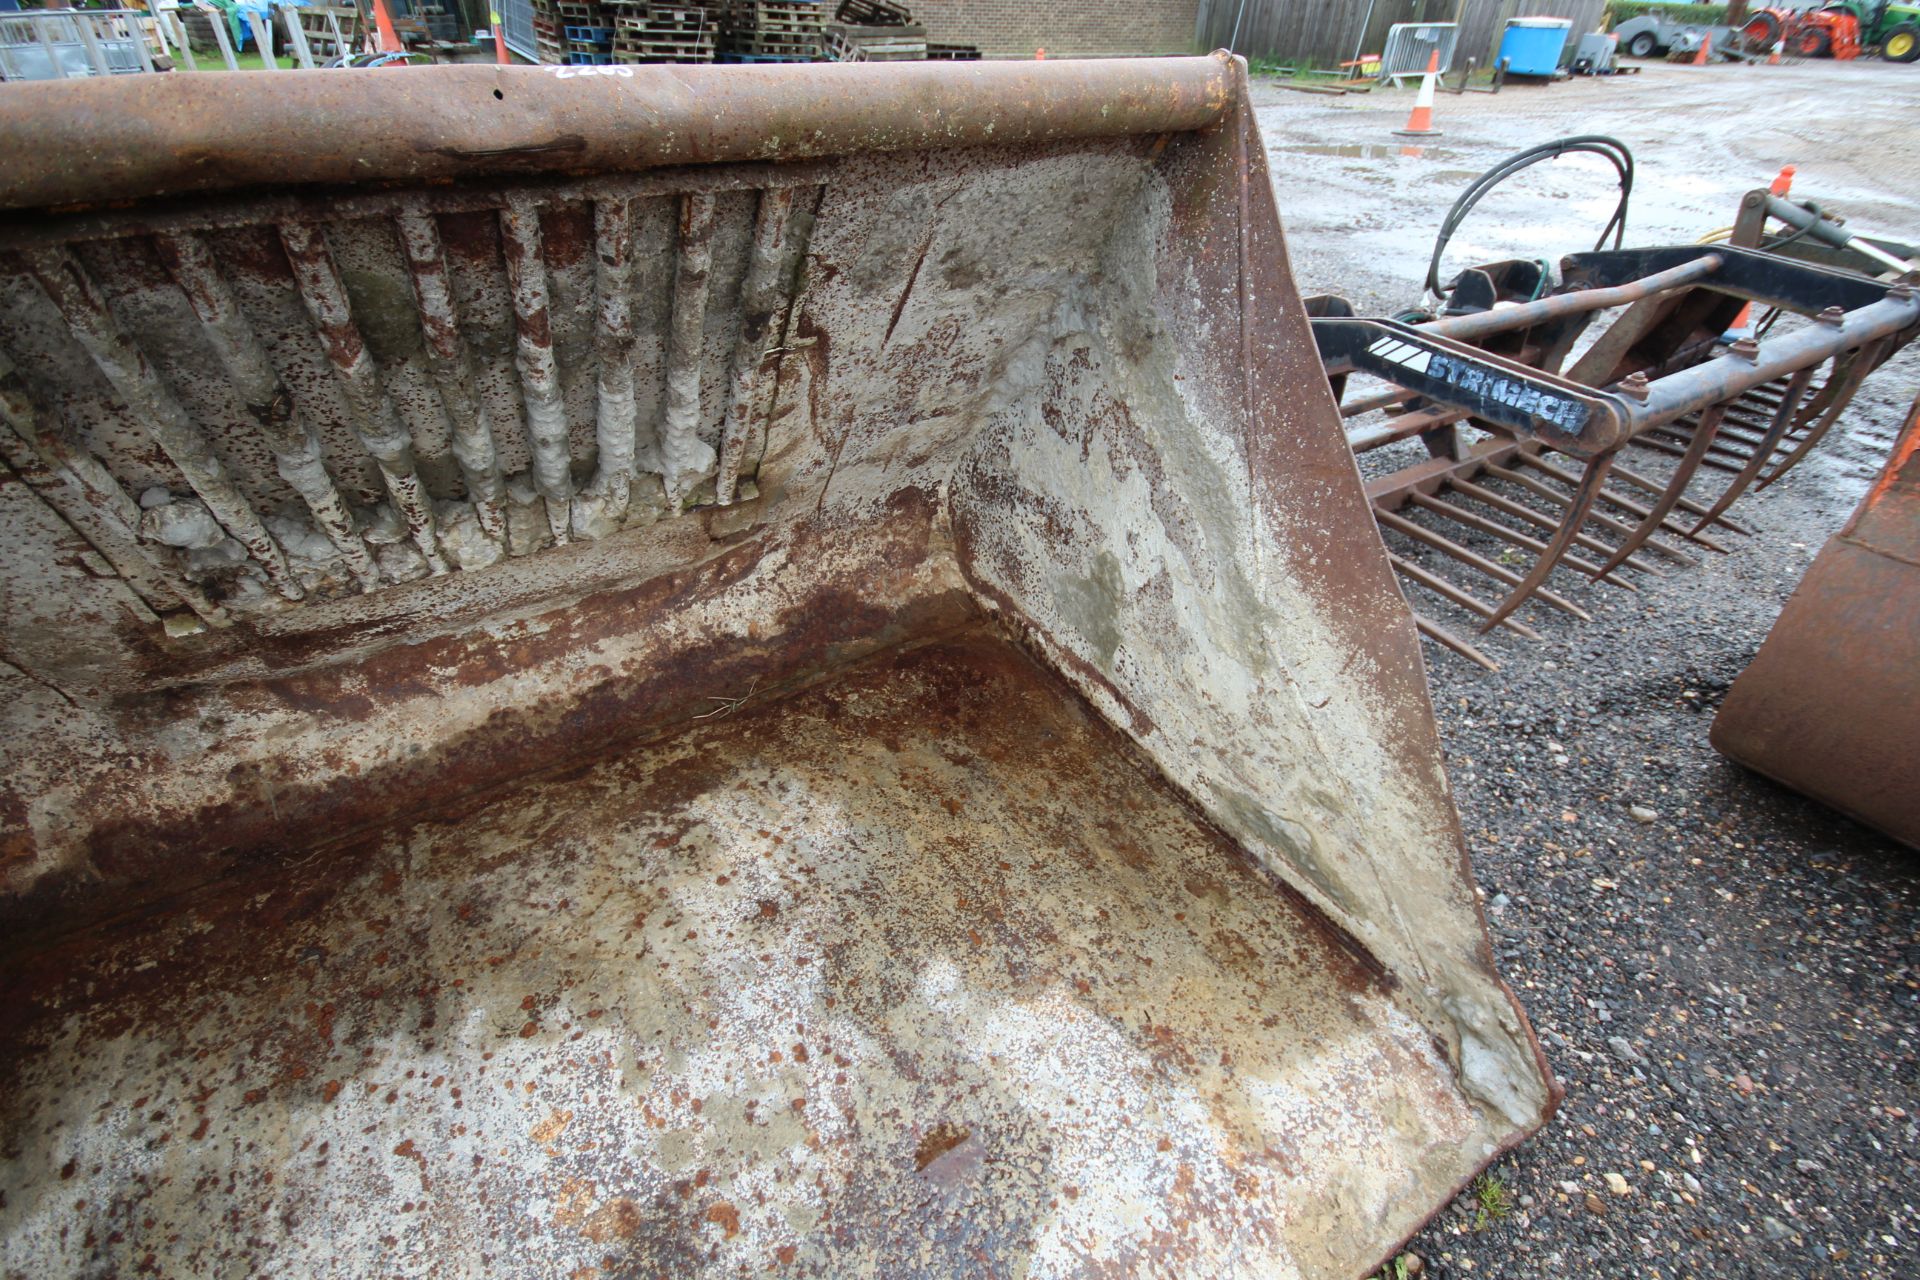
733 1001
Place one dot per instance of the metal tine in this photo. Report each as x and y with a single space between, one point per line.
1682 475
1367 404
1684 503
1675 451
1434 631
1459 595
1494 529
375 421
1520 511
1598 516
1625 503
1682 434
160 415
1583 497
1782 420
1499 573
1855 375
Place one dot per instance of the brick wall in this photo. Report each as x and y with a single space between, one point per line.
1064 28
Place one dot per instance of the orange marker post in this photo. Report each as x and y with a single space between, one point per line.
1704 52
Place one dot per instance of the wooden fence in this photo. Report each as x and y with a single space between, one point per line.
1328 32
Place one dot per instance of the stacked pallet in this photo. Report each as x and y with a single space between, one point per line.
771 31
572 32
842 42
673 32
953 52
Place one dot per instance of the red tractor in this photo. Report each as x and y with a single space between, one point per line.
1837 30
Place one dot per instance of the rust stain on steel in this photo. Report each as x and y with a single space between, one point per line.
375 420
794 969
453 372
1047 602
685 459
296 451
539 374
1829 704
760 298
132 375
441 123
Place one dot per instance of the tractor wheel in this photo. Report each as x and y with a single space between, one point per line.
1760 33
1813 43
1902 44
1641 46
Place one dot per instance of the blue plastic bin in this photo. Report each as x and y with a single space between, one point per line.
1532 46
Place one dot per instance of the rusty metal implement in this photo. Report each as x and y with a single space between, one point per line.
1831 704
706 671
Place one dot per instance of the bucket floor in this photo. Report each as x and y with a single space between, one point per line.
919 971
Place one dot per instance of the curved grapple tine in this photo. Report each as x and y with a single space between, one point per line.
1776 431
1577 510
1682 475
1855 375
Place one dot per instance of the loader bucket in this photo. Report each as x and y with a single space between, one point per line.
686 671
1830 703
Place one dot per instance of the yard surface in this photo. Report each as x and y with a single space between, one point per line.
1730 992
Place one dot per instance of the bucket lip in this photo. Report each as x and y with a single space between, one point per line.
128 138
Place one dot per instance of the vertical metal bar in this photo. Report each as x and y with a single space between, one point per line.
452 367
139 35
547 434
684 457
160 33
340 49
92 502
262 39
296 450
41 23
298 38
127 368
180 38
376 421
760 297
90 41
615 415
218 22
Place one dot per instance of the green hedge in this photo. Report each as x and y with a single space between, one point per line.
1618 11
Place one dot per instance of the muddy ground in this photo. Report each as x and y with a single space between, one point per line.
1730 992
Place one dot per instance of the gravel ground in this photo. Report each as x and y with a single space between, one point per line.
1725 976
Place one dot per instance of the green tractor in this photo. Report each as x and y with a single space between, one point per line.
1826 32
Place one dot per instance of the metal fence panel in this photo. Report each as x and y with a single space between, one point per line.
516 25
1411 46
56 44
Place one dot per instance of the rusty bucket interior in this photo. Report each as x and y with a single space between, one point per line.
775 669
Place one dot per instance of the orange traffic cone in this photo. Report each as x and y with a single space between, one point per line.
1773 58
1420 123
1705 51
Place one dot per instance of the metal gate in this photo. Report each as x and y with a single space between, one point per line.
1410 46
53 45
